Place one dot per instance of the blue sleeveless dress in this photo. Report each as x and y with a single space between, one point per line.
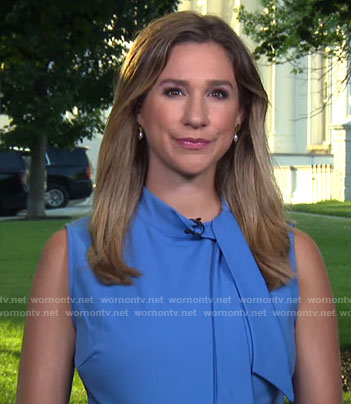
198 327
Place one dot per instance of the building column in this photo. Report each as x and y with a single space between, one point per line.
341 149
283 110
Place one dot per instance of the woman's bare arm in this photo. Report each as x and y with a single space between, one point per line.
46 368
317 378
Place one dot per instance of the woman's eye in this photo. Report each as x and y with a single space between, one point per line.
173 92
219 94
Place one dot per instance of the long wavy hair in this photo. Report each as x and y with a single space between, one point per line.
244 175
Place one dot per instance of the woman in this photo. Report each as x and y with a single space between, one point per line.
184 285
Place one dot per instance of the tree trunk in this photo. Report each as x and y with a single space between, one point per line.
36 202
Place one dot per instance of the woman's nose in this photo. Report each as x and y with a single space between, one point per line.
196 112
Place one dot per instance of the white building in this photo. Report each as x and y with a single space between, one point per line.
310 143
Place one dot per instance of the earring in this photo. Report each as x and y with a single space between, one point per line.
140 133
236 136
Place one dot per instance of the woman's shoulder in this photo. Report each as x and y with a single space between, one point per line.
311 269
317 374
53 263
49 334
304 243
57 248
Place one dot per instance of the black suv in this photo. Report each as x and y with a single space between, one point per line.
13 182
68 176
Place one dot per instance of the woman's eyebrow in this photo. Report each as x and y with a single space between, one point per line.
215 83
176 82
209 83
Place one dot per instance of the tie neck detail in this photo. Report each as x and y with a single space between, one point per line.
169 221
270 358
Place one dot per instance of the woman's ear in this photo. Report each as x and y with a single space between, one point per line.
138 111
140 120
241 119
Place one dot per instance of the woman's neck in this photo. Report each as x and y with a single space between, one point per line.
192 199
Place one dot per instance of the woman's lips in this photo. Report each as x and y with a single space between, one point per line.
192 143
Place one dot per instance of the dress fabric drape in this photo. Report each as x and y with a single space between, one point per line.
198 327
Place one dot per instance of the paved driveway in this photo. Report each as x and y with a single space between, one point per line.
77 210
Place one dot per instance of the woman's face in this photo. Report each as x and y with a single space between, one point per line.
190 114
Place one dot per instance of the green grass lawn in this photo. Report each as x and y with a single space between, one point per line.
22 241
333 208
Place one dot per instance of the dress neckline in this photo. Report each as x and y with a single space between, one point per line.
168 220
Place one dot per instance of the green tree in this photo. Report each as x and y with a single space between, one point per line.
57 61
287 30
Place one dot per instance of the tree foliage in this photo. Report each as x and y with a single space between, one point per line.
287 30
57 61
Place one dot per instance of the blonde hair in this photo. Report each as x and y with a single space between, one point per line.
244 175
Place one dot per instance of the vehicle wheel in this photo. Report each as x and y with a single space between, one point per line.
57 196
